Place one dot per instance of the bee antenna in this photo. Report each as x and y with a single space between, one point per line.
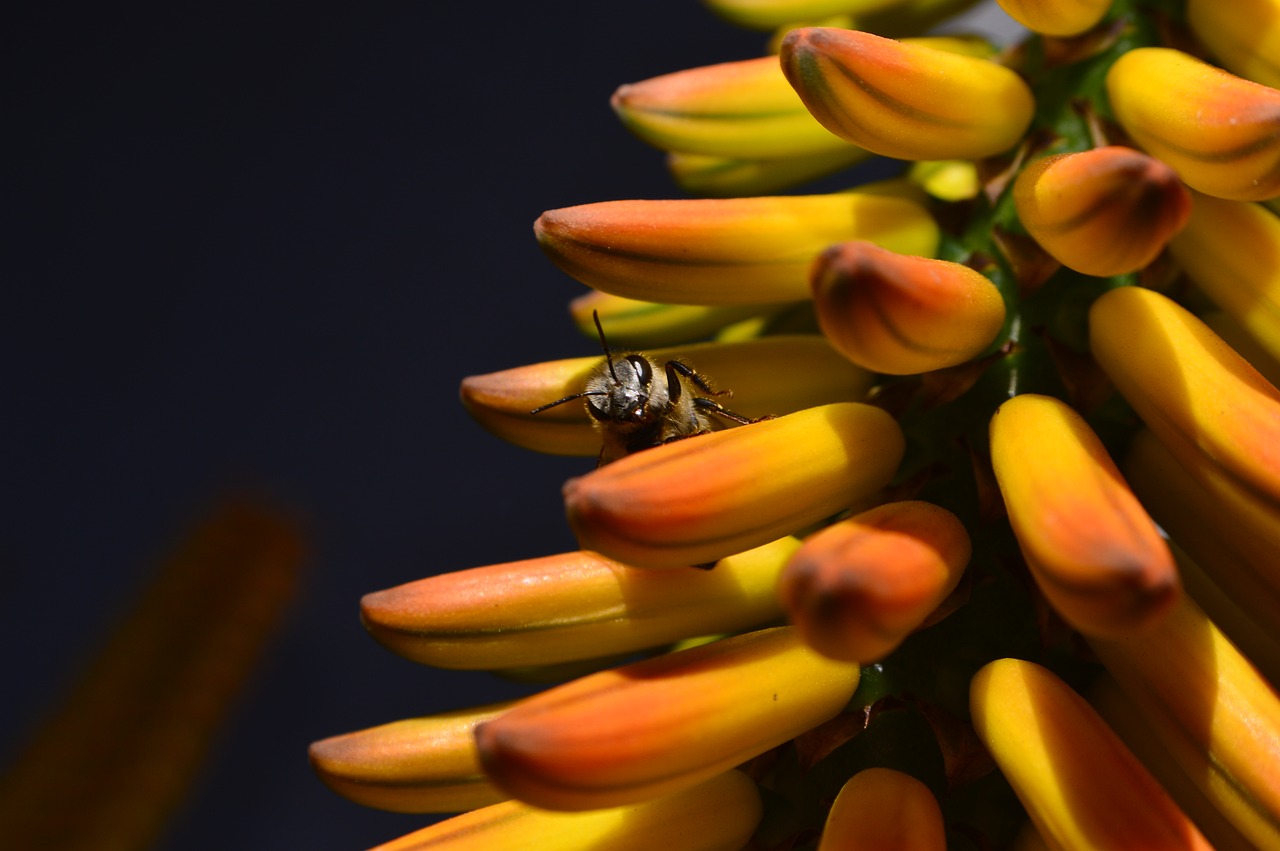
604 344
542 408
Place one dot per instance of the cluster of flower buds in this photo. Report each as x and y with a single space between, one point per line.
984 547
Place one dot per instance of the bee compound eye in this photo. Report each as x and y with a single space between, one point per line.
642 369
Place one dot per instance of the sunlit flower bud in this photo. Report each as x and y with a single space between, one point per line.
899 314
718 815
722 251
1081 786
742 109
880 809
727 177
419 765
1056 17
1231 250
859 587
699 499
1103 212
769 376
577 605
1094 552
903 100
627 734
1202 400
1244 36
1217 130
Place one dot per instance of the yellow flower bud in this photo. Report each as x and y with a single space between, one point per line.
1217 130
880 809
1244 36
1103 212
898 314
905 100
1056 17
728 177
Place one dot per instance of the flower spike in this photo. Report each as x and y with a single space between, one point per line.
901 315
903 100
699 499
880 809
625 735
1216 129
857 588
1103 212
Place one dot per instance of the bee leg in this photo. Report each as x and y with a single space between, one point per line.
713 407
676 368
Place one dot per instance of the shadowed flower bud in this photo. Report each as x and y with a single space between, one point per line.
1081 786
1244 37
718 815
880 809
634 732
722 251
1216 129
419 765
728 177
1056 17
904 100
1103 212
706 497
1231 249
857 588
1094 552
768 14
899 314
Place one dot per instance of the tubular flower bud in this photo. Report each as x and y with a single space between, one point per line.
740 109
1094 552
901 315
1245 36
718 815
632 733
769 14
1212 710
1204 401
1056 17
727 177
1216 129
880 809
576 605
769 376
419 765
1081 786
645 324
722 251
700 499
903 100
857 588
1231 249
1103 212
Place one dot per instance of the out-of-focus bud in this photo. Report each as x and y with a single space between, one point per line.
1231 249
647 324
718 815
1094 552
623 735
722 251
1081 786
1217 130
859 587
769 14
1103 212
700 499
1244 35
419 765
730 177
905 100
880 809
1056 17
899 314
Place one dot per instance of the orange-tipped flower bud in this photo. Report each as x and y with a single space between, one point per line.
1094 552
859 587
1244 36
699 499
906 100
1056 17
1216 129
635 732
900 314
722 251
880 809
1103 212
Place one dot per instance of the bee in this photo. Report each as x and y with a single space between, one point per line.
634 409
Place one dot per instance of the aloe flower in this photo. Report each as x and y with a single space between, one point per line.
975 538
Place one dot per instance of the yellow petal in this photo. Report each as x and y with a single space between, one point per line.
662 725
880 809
728 177
1244 35
1094 552
700 499
646 324
1056 17
768 14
